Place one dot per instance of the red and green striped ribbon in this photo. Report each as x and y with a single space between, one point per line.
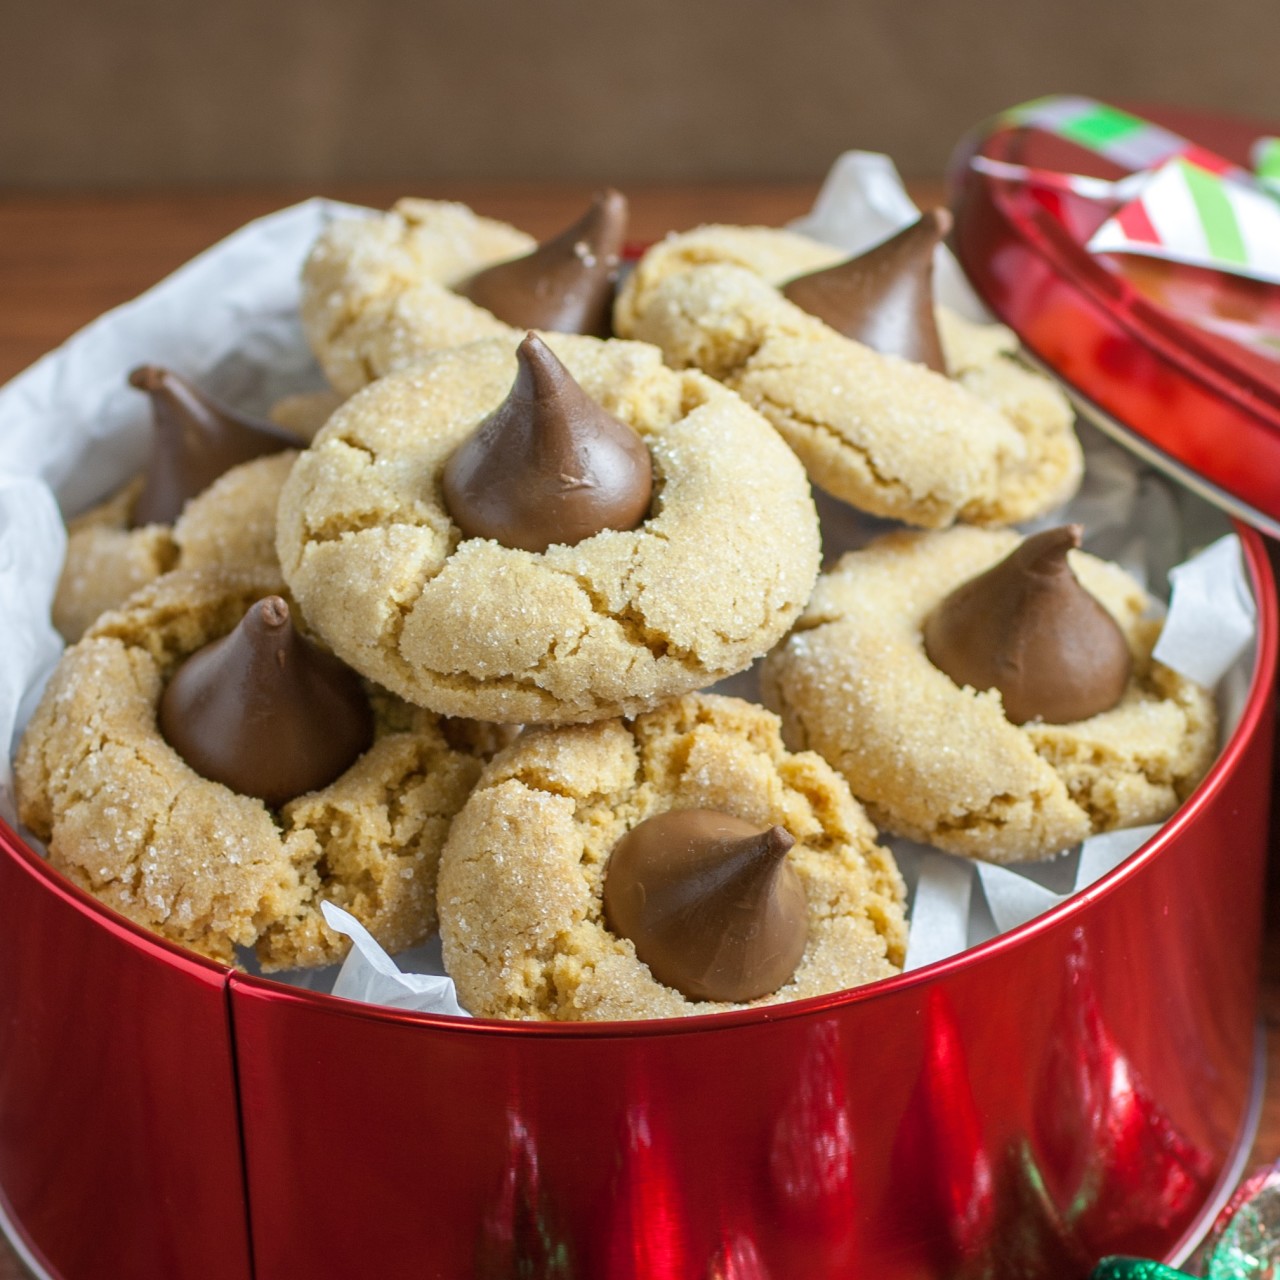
1127 140
1178 201
1217 217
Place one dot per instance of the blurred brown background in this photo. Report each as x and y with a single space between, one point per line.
126 93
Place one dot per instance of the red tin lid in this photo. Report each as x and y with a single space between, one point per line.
1125 333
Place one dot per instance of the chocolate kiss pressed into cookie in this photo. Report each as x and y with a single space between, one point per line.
711 903
883 298
1029 629
195 440
265 711
548 465
567 283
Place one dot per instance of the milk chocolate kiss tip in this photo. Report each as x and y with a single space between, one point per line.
148 377
194 441
264 711
710 903
884 297
1029 629
939 221
548 465
566 284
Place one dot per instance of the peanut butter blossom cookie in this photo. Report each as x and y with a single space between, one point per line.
563 533
200 502
898 407
991 696
380 292
205 769
682 862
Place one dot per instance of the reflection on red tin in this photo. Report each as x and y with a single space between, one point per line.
646 1238
1000 1221
737 1258
1138 1177
811 1155
517 1234
939 1158
1029 1236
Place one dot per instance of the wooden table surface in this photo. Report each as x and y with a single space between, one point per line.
65 259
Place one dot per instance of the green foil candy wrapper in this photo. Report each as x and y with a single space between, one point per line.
1244 1243
1134 1269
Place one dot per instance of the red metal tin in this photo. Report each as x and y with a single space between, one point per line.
120 1148
1079 1086
1076 1087
1115 328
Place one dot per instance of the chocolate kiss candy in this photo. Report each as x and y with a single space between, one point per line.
1028 628
884 297
195 441
711 903
566 284
264 711
548 464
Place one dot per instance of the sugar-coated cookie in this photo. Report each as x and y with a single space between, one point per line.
612 625
520 891
128 820
231 524
376 290
768 252
993 443
380 292
942 764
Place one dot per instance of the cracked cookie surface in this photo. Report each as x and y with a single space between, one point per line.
991 444
941 764
231 524
713 576
126 819
376 291
521 915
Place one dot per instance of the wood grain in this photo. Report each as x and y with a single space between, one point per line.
65 259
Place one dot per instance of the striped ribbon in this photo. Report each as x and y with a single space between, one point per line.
1179 201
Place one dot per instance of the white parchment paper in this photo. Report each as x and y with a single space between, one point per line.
71 431
369 974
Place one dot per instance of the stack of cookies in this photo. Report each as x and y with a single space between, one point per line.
441 659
